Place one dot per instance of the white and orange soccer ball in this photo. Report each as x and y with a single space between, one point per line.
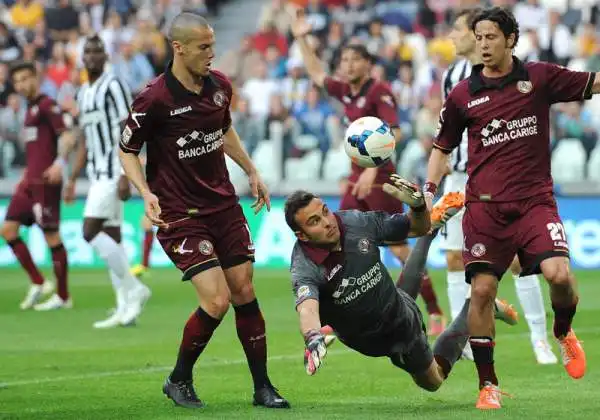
369 142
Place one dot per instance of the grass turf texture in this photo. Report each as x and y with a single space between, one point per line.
55 366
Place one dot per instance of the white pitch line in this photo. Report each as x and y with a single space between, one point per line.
217 363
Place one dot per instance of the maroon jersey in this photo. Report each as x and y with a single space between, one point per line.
375 99
183 133
508 127
44 122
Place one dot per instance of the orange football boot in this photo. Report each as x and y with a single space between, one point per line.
573 356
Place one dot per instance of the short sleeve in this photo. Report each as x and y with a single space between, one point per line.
388 228
121 96
335 88
451 126
138 128
305 278
566 85
56 117
385 103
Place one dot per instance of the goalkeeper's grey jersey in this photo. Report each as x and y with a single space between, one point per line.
355 291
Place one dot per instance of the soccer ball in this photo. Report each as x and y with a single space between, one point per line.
369 142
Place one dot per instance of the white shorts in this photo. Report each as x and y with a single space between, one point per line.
452 234
103 203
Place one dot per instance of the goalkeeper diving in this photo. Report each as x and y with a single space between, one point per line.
341 284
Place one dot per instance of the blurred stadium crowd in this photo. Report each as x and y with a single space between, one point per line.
292 130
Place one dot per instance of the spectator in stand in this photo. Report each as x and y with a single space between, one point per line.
333 43
27 13
9 46
132 66
318 16
354 16
280 125
276 63
315 117
406 93
251 130
48 87
6 87
258 91
276 11
12 118
295 86
374 39
58 69
149 41
530 15
555 39
269 35
575 122
239 65
61 20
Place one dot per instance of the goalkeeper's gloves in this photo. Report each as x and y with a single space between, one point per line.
314 352
405 191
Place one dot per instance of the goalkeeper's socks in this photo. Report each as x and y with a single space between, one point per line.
251 331
449 346
483 354
197 333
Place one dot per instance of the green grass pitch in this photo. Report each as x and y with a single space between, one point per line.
55 366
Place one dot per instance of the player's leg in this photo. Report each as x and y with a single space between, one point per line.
529 293
19 213
141 269
208 280
60 263
47 215
236 253
545 248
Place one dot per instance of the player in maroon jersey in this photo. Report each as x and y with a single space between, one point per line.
36 200
505 106
183 117
363 96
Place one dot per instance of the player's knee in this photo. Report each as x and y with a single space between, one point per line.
557 273
217 305
243 294
454 260
89 233
52 238
9 232
428 383
483 289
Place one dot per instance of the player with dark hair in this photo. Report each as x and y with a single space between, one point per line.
183 117
338 280
36 198
363 96
528 287
505 106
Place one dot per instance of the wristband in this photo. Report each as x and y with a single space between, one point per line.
430 188
309 335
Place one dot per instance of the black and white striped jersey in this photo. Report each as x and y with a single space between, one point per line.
103 105
457 72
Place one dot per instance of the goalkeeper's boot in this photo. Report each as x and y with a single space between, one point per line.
446 207
182 393
504 311
573 356
268 397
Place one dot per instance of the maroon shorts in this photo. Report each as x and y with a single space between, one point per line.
37 203
495 232
195 244
378 200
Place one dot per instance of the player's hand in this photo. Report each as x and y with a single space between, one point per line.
405 191
53 175
153 210
315 351
69 192
260 192
300 25
123 188
363 186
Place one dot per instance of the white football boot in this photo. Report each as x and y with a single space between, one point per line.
543 353
135 301
54 302
35 293
114 320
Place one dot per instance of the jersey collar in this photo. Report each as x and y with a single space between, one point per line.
477 83
317 254
364 88
179 91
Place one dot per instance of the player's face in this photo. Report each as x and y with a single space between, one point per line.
354 67
462 37
94 57
318 224
198 52
493 47
25 83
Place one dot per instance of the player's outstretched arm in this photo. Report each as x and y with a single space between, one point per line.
314 340
235 150
314 68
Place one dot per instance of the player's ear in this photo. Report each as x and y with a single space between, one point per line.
301 236
510 41
177 47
